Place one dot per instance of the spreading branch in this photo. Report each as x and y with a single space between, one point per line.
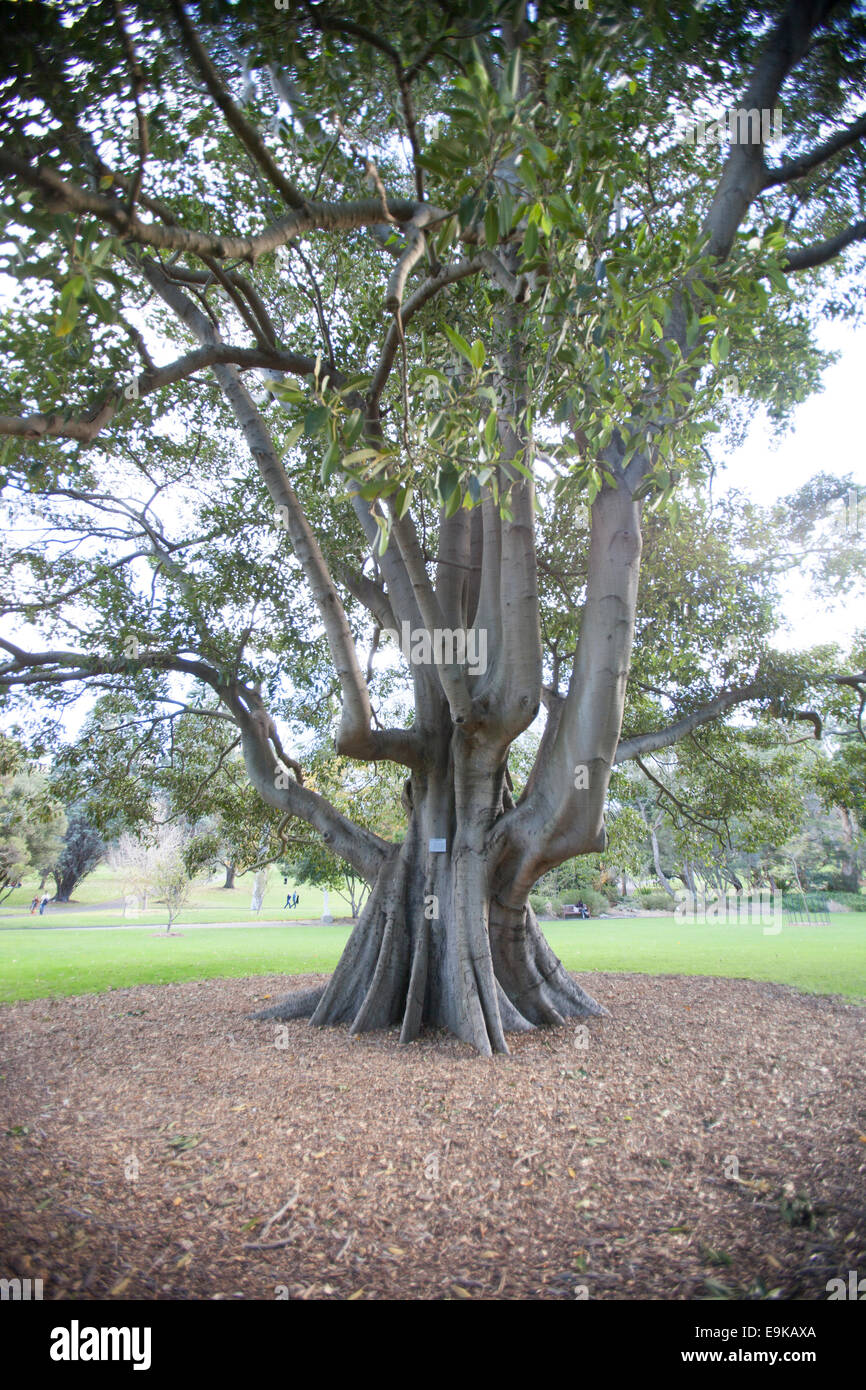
820 252
86 427
62 196
246 133
804 164
640 744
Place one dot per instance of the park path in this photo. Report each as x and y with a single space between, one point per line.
180 926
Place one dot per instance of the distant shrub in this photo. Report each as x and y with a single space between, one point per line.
656 902
817 901
538 902
855 902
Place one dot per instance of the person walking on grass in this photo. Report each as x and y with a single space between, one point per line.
34 904
43 904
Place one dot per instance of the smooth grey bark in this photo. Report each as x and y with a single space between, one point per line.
660 873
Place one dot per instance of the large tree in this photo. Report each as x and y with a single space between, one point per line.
423 282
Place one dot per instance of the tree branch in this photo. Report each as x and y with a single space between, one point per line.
324 23
355 737
662 738
61 196
246 133
820 252
361 848
744 171
805 163
84 429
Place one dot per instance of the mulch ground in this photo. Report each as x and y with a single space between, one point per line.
709 1139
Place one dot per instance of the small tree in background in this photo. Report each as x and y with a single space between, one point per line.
161 865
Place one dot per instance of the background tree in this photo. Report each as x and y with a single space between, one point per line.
453 276
370 798
161 865
133 762
32 821
82 850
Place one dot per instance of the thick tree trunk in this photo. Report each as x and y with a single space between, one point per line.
435 944
230 876
850 868
65 885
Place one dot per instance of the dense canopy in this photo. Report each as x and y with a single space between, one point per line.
331 321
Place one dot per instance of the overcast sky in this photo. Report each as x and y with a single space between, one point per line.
827 437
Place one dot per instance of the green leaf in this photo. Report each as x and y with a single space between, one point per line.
103 308
66 321
521 467
467 210
459 342
360 456
71 291
403 501
491 223
103 250
490 430
506 212
384 525
314 420
453 503
512 75
331 461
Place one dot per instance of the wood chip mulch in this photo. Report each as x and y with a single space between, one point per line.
706 1140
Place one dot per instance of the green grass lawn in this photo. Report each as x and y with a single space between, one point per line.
208 903
34 964
824 960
